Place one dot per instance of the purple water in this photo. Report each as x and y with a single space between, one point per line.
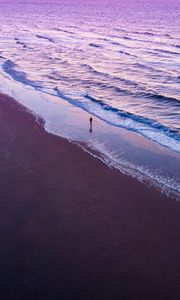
117 61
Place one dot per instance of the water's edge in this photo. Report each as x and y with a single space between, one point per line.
62 119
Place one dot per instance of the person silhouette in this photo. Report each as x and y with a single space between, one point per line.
90 120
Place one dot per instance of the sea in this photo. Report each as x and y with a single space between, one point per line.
117 61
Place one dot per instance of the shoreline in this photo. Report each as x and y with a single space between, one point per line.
128 152
72 228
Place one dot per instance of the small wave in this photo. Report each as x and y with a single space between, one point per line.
159 97
147 41
143 66
137 118
127 38
56 76
21 43
140 92
148 128
167 51
138 40
143 33
103 39
95 45
126 53
115 43
150 125
147 33
10 68
45 38
100 73
63 30
91 69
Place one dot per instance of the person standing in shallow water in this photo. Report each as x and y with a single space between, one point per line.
90 120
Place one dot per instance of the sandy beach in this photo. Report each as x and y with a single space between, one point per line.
72 228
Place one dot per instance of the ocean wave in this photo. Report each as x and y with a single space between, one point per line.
143 33
148 128
103 74
18 42
127 38
63 30
45 38
95 45
151 129
10 68
130 88
139 32
126 53
139 91
143 66
159 97
21 43
148 41
137 118
146 33
114 43
167 51
152 34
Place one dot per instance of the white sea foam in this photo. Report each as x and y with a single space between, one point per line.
59 120
140 172
125 77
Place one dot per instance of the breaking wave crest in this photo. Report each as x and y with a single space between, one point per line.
45 38
148 128
10 68
143 174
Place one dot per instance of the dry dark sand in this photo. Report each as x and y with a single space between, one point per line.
71 228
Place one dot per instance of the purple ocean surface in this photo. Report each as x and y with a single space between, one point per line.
117 61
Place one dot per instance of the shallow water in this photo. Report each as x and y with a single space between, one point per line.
119 62
115 61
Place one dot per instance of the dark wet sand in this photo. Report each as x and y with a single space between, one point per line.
71 228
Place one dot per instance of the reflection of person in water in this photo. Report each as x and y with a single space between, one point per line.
90 120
